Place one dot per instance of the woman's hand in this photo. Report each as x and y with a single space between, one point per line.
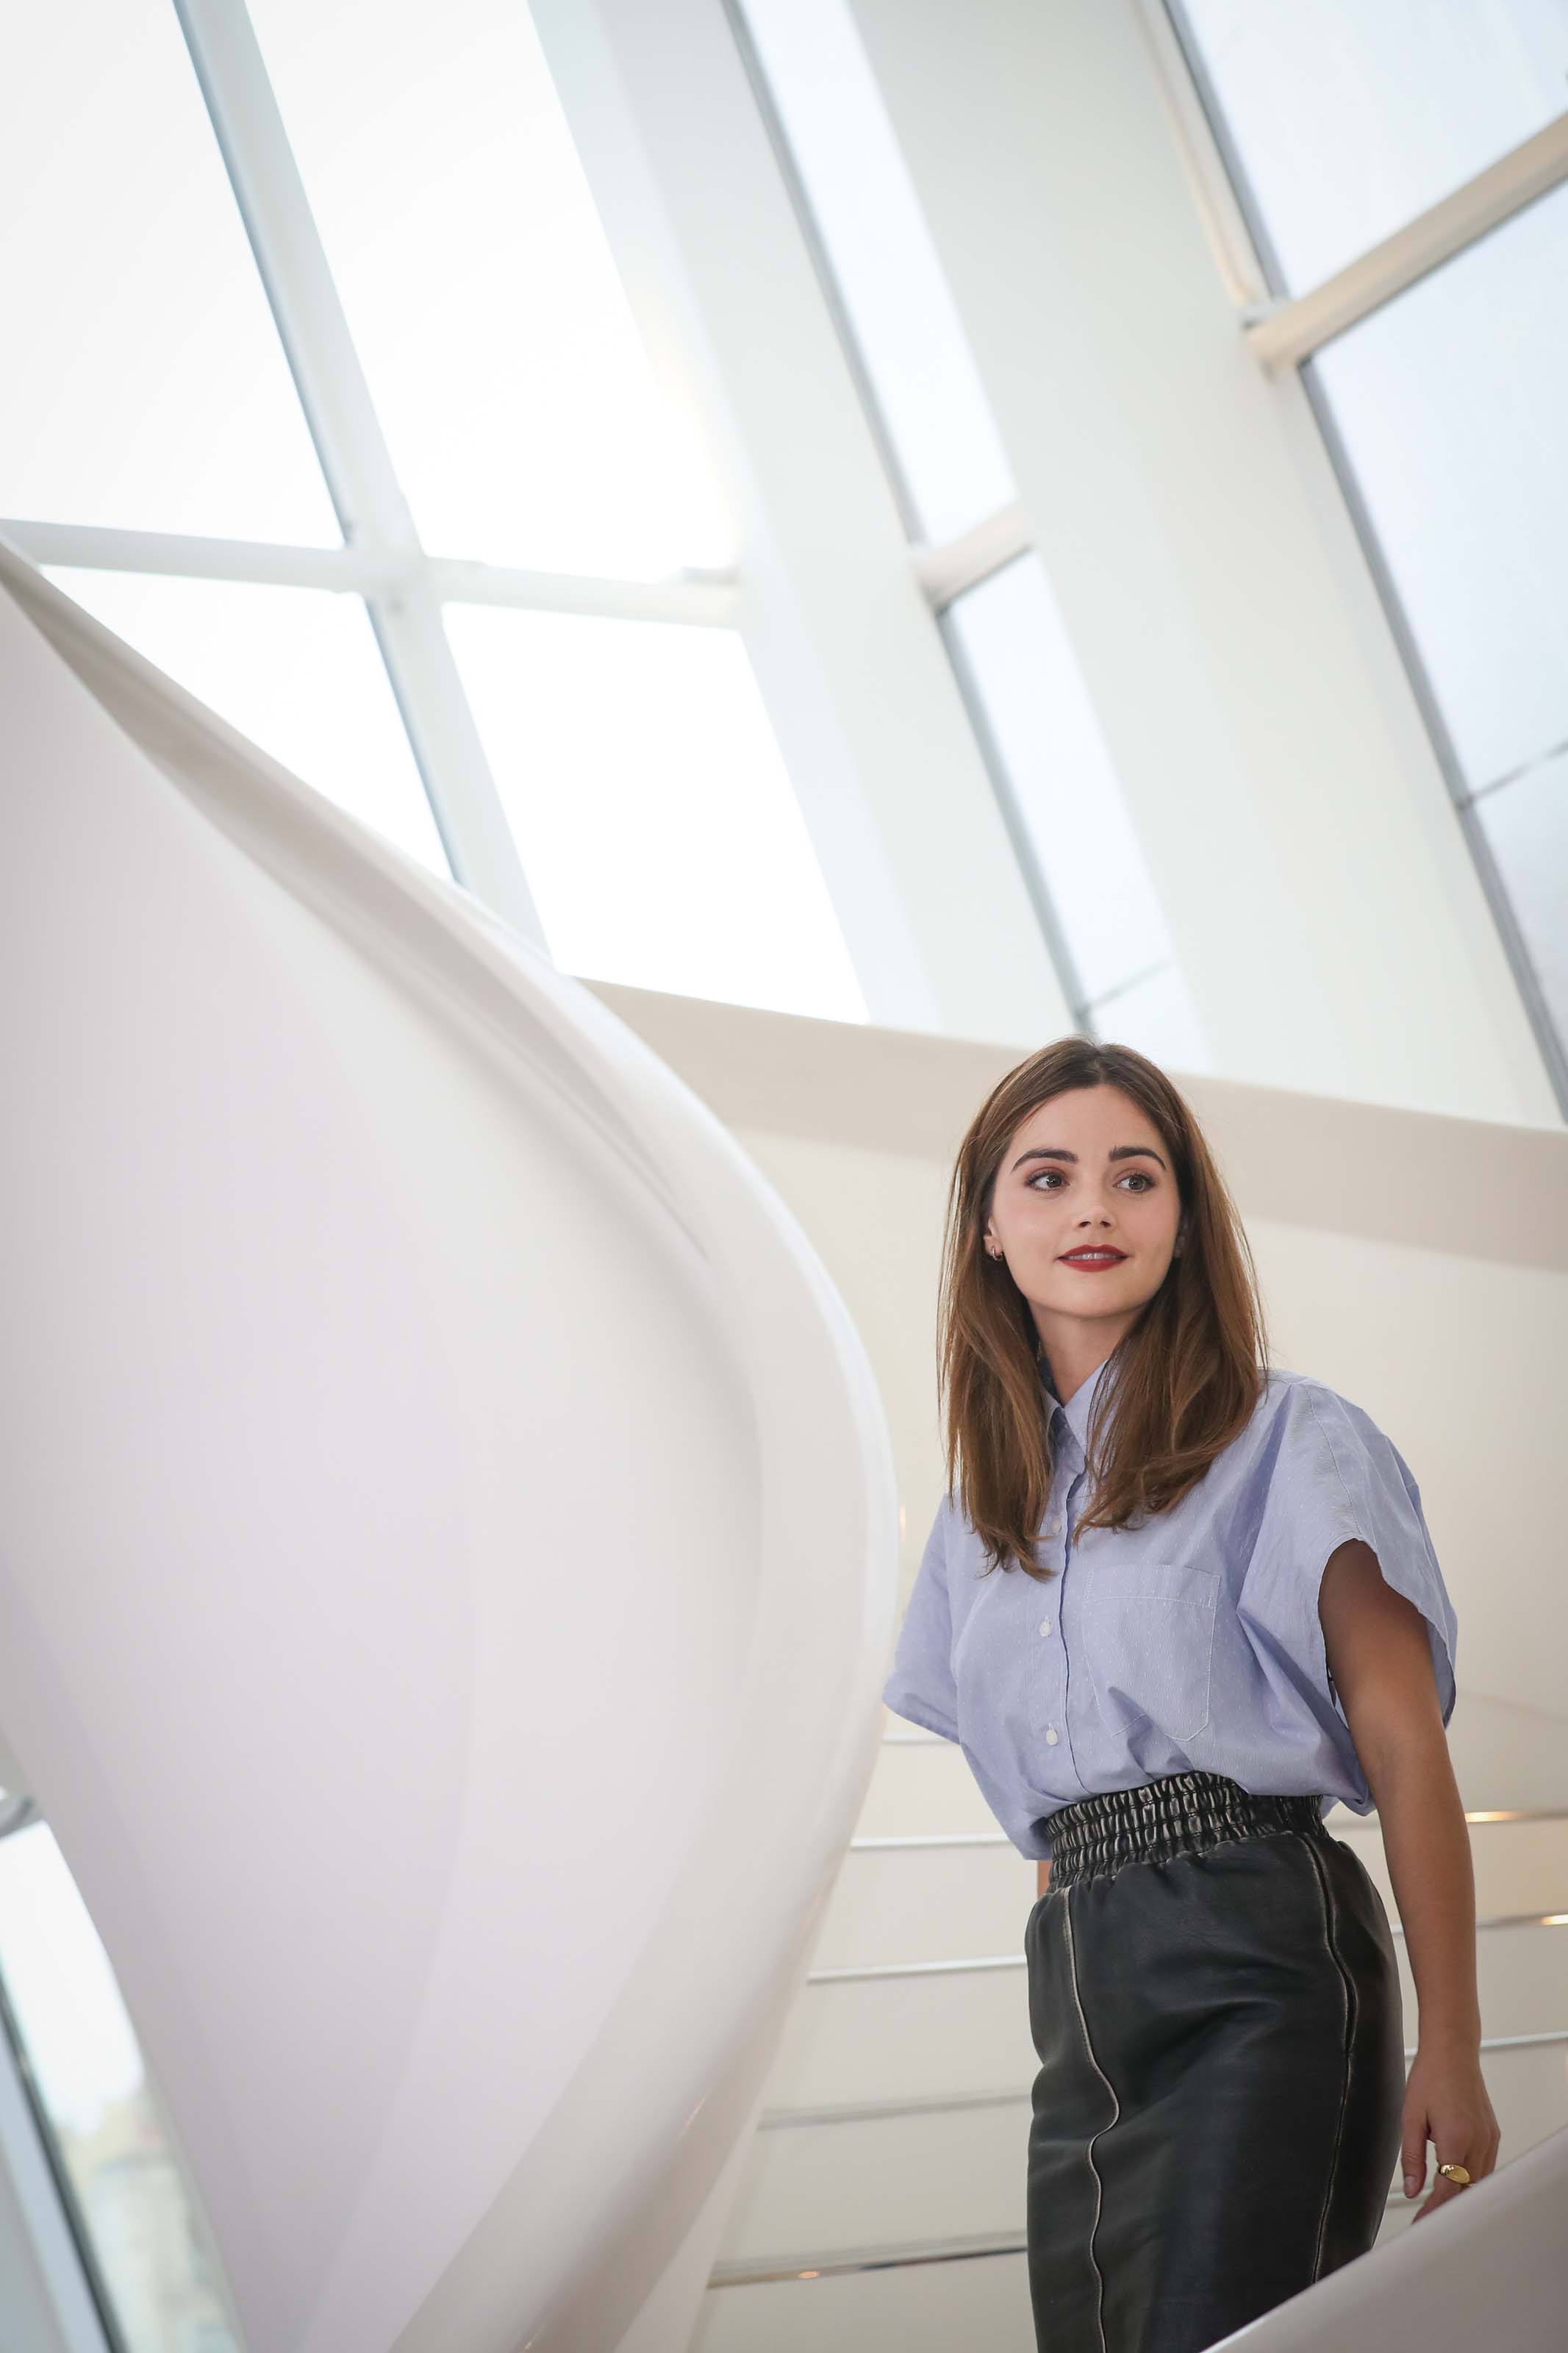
1446 2103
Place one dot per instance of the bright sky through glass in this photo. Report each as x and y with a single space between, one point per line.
61 1985
144 385
503 359
1452 403
295 669
663 840
1015 651
1353 116
901 312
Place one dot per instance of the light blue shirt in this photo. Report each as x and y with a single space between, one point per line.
1192 1641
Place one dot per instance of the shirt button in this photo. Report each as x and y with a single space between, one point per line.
1053 1527
1045 1625
1050 1736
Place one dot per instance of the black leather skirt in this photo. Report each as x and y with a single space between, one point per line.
1215 2004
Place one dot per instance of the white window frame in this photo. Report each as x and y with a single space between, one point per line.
74 2305
1284 333
851 736
942 571
940 914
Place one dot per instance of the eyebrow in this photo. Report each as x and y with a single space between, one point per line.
1117 1151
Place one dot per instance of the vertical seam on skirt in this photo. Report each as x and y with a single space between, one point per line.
1325 1894
1099 2185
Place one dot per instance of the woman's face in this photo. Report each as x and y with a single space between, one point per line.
1085 1169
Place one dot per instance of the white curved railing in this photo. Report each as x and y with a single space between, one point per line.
448 1549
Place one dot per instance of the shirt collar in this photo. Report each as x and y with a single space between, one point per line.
1077 1409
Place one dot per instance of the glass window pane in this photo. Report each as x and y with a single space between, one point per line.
1526 824
143 384
662 839
905 322
521 411
1018 667
295 669
147 2237
1451 402
1350 119
1156 1014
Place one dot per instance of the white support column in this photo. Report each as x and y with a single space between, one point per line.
902 815
1327 912
404 609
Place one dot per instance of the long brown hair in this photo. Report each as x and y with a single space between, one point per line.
1186 1375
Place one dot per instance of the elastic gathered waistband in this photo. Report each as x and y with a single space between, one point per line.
1180 1813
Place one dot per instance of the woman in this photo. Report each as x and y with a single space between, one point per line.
1180 1603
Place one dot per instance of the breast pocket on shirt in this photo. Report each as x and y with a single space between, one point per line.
1148 1633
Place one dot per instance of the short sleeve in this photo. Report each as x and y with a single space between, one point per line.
921 1685
1334 1475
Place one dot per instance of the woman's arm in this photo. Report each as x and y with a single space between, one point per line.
1381 1661
1043 1880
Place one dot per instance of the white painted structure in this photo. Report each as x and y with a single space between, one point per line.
1286 791
452 2061
451 1688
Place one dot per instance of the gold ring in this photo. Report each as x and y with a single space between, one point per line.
1455 2173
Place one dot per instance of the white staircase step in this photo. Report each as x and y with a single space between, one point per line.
810 2189
914 1897
938 2174
921 1783
940 2030
928 2308
925 1903
890 2038
906 2211
1521 1865
1522 1974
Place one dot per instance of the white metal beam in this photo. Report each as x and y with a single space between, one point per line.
179 555
699 600
1293 330
48 2299
1214 194
947 571
376 524
902 817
